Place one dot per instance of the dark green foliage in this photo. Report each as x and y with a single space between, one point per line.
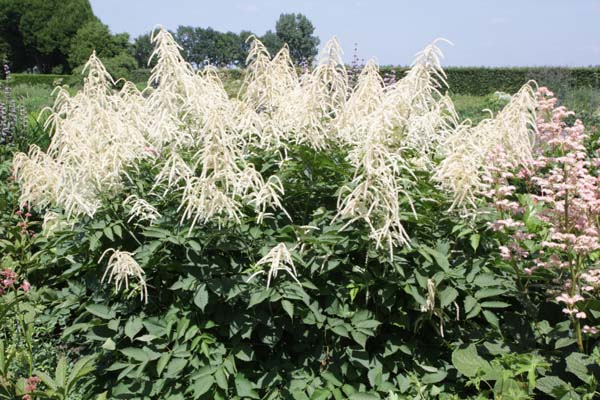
359 326
481 81
140 75
298 32
142 49
39 33
121 66
95 36
271 42
38 79
203 46
54 36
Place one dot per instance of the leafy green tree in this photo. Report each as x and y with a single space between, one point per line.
120 66
297 31
12 47
228 49
95 35
142 50
187 36
39 32
244 46
271 42
207 45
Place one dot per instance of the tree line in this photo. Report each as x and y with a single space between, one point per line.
58 36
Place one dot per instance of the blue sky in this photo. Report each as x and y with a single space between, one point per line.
484 32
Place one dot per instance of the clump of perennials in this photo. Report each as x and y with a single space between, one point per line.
200 141
563 179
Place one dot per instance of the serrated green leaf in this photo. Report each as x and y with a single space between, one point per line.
109 344
494 304
195 246
201 297
375 377
48 381
470 302
142 355
368 324
175 366
101 311
491 318
331 378
447 296
475 241
577 365
468 362
474 312
221 379
552 386
359 338
363 396
485 279
258 297
564 342
162 363
320 394
288 307
109 234
133 326
202 385
489 292
81 368
434 377
61 372
244 388
118 231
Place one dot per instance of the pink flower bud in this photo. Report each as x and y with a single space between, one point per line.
25 286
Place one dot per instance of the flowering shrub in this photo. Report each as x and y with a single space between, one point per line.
359 193
554 228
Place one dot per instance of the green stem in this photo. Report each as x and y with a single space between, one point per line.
574 268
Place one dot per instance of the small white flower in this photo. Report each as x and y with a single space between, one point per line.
278 259
141 209
121 267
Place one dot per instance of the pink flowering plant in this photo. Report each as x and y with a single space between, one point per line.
548 215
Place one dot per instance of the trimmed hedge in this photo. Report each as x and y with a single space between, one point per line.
143 74
480 81
477 81
38 79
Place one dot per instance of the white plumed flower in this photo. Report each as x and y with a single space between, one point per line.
121 267
277 259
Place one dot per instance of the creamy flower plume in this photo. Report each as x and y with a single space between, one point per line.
201 141
141 209
467 152
277 259
121 267
391 131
